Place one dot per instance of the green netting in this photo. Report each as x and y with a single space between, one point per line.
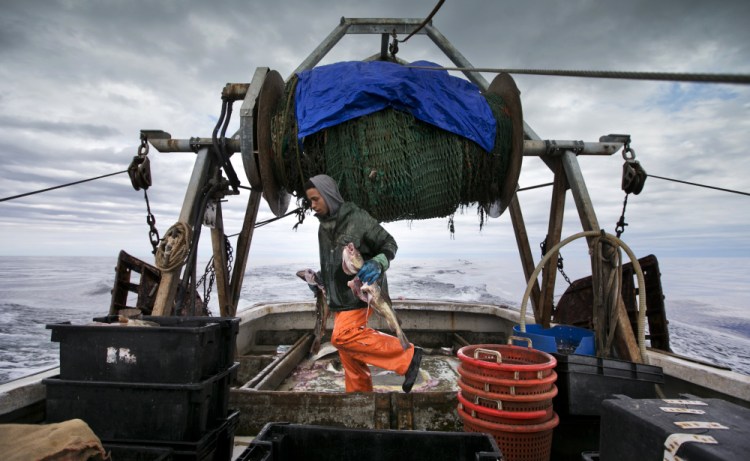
392 164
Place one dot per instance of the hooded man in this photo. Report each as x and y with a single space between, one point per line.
342 223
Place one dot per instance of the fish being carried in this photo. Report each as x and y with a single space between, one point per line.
321 306
351 263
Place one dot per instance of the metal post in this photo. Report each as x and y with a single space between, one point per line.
625 343
243 249
524 250
220 262
164 301
556 214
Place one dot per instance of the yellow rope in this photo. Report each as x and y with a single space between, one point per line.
174 247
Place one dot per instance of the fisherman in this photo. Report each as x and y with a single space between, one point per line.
342 223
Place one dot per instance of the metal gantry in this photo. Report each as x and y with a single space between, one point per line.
561 156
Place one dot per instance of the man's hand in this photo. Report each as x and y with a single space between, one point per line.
370 272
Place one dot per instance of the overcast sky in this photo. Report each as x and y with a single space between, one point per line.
79 79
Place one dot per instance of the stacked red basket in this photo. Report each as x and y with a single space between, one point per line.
507 391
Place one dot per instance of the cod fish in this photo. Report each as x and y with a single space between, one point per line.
321 307
351 263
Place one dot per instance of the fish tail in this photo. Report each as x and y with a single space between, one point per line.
402 339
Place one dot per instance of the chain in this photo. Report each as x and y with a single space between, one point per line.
560 269
560 264
210 273
153 232
140 177
620 226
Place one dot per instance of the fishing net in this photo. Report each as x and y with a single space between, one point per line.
391 164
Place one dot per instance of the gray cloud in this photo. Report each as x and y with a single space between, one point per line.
58 128
78 80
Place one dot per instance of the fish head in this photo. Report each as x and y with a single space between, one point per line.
309 276
351 259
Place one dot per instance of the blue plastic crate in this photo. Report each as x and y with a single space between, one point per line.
562 339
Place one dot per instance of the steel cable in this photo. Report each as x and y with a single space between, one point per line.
741 79
60 186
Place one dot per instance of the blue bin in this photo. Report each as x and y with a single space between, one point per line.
562 339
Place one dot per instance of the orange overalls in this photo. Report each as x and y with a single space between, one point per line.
359 345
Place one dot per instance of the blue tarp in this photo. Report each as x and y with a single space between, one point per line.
329 95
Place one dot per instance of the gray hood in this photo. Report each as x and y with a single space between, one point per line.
330 192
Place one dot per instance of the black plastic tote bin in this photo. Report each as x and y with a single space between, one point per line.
638 429
181 350
139 410
137 453
584 381
287 442
215 445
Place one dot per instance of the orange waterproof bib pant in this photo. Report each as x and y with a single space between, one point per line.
359 346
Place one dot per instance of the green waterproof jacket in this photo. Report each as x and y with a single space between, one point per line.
350 224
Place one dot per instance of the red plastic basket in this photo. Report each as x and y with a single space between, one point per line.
506 361
508 402
495 415
507 386
528 442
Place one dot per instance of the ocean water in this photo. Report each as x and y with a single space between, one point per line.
706 300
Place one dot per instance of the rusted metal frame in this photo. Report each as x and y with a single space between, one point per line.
524 250
554 231
243 249
625 342
220 263
164 302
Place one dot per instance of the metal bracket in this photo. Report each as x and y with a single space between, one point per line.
156 134
558 147
621 138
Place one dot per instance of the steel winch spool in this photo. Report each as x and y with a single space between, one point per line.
278 183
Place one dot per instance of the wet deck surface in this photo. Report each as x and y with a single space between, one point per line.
437 373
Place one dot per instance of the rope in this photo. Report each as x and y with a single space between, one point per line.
700 185
641 334
173 249
61 186
740 79
535 187
605 299
426 20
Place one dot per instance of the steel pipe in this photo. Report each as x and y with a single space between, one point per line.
530 148
555 148
190 145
